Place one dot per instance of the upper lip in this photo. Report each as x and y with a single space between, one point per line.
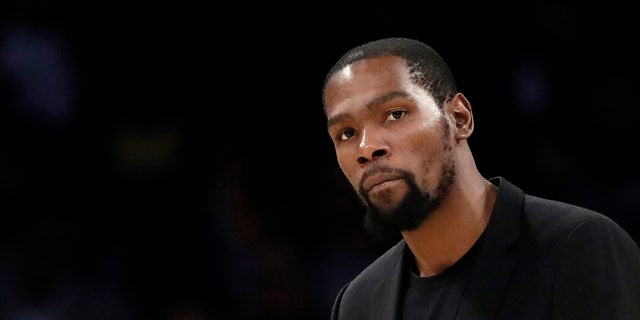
377 179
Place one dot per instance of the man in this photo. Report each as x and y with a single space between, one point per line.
471 247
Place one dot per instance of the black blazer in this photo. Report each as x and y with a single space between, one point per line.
538 259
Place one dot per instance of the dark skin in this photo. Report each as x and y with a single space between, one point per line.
378 118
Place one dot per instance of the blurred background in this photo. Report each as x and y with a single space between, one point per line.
170 161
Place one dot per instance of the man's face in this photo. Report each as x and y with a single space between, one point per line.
392 142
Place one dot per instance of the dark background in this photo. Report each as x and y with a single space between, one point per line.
170 161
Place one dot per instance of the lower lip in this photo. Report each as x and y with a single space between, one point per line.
383 185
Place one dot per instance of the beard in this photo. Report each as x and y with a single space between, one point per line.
414 208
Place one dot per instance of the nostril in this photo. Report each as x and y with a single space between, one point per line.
379 153
362 160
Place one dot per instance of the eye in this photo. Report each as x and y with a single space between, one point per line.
346 134
396 115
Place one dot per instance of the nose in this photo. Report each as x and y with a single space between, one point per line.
372 147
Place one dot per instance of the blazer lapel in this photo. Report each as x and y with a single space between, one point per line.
385 299
494 266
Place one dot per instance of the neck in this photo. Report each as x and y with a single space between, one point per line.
454 227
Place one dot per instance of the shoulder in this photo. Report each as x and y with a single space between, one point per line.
588 250
546 210
547 219
562 222
561 215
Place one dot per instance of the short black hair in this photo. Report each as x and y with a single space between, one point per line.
426 67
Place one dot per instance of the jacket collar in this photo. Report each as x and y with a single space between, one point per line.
495 265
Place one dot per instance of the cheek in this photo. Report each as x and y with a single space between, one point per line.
349 169
425 158
426 172
423 148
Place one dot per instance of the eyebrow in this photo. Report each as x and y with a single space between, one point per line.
369 106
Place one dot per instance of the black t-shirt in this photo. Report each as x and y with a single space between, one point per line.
437 296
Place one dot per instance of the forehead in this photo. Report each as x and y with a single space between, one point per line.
372 71
366 79
382 64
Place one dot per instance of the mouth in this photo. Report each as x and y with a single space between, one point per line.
377 180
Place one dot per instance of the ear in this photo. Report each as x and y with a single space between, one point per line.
459 109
